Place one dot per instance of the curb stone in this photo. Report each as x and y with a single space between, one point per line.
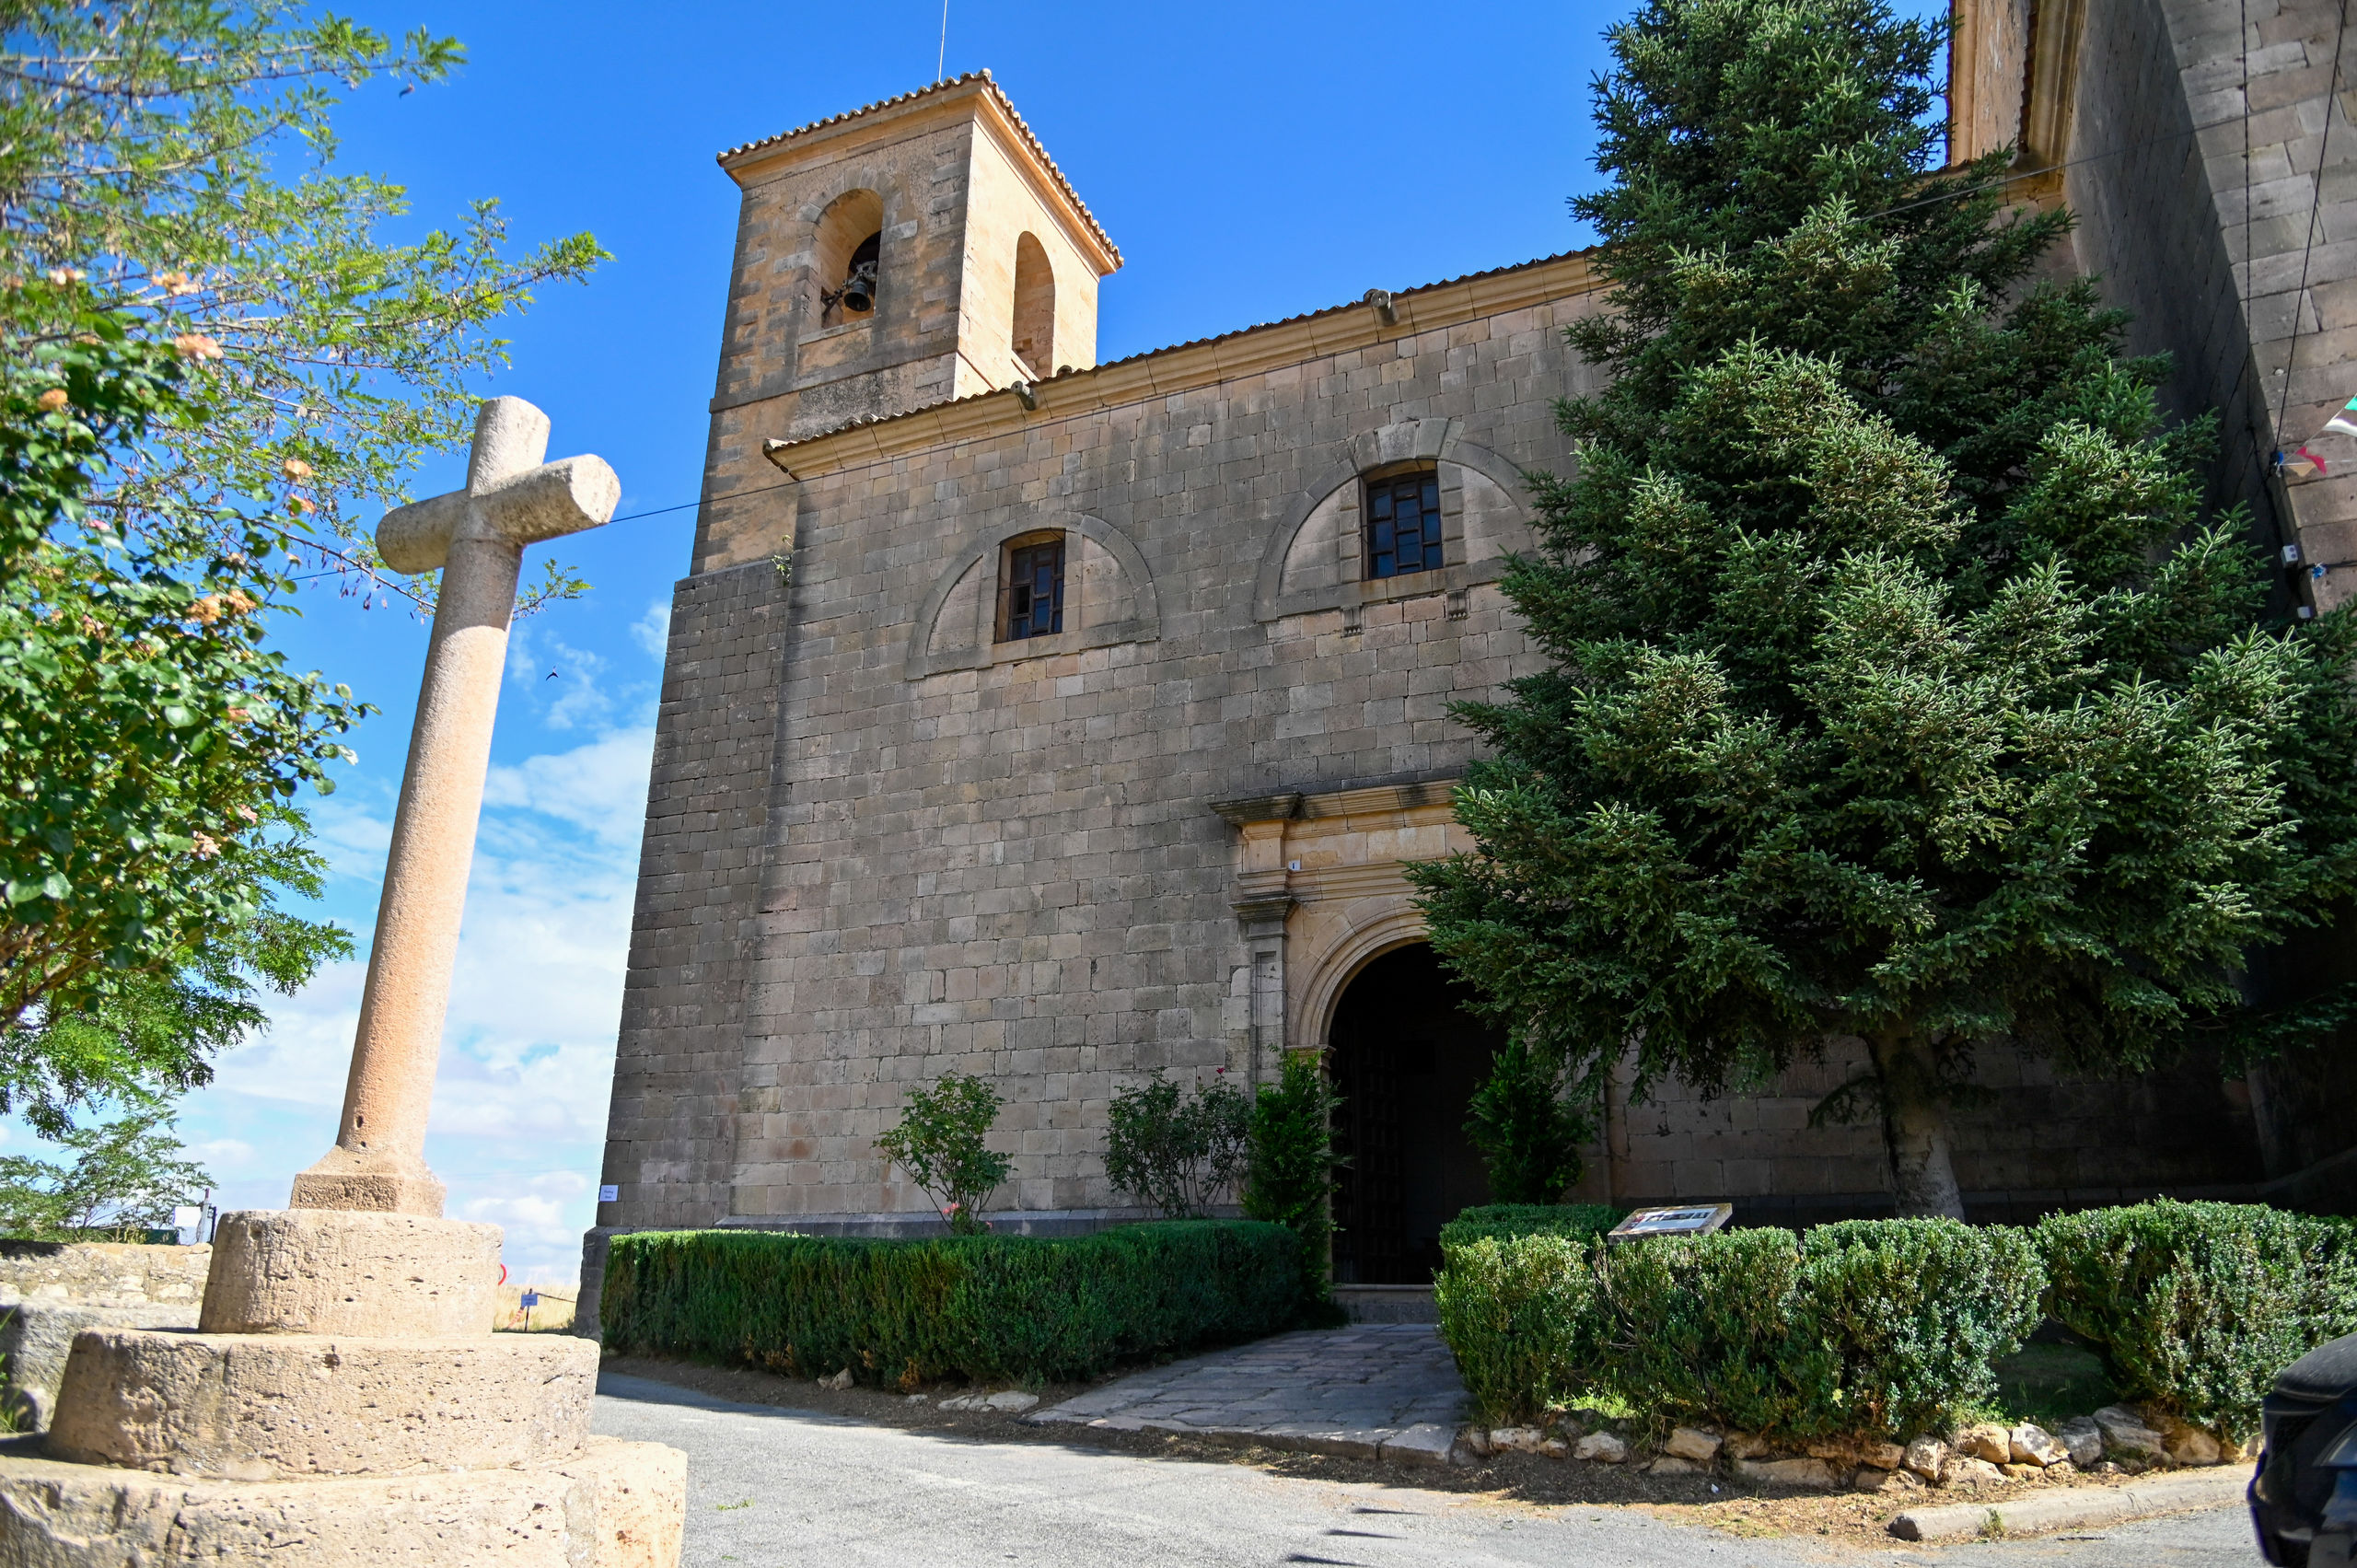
2085 1505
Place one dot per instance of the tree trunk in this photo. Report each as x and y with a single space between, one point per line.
1915 1127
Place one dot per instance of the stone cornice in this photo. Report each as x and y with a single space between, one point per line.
1376 799
1189 366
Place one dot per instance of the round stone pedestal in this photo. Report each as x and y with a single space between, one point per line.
259 1407
334 1272
344 1405
610 1506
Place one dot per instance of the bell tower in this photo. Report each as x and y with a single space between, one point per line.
907 253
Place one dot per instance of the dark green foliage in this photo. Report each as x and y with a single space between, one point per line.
1529 1137
939 1144
1289 1163
1883 1328
1501 1222
126 1178
1899 691
1177 1150
2049 1384
2196 1307
901 1313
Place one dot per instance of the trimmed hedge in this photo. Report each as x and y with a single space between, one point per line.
997 1308
1872 1327
1500 1222
2196 1307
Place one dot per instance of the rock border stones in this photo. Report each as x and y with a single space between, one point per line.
2115 1440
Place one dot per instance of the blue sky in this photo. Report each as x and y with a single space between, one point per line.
1251 161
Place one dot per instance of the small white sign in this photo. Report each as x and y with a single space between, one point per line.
609 1193
188 1216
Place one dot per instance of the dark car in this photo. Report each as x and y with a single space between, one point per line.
2304 1500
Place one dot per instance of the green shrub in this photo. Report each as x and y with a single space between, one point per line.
1289 1163
996 1308
1519 1314
2196 1307
1883 1328
1177 1150
1500 1222
1530 1140
1922 1310
939 1144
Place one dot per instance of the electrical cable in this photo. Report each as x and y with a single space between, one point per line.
2006 178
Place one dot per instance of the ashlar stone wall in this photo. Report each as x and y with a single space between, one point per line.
1009 865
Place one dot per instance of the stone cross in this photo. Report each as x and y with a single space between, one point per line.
476 537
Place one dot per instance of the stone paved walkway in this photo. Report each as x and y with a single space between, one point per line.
1373 1391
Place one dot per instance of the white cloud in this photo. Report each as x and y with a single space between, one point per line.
652 631
527 1064
600 787
221 1154
565 682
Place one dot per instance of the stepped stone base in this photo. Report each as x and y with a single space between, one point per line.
255 1407
35 1336
611 1505
328 1271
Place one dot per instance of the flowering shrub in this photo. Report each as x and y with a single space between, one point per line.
939 1144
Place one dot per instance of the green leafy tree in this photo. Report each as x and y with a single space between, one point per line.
1898 689
151 743
214 374
179 155
1289 1163
940 1144
127 1177
1529 1136
1178 1150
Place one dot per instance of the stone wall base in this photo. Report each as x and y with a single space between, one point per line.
613 1505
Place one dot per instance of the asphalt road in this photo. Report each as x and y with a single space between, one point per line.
773 1488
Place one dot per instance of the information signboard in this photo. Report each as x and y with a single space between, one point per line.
1691 1219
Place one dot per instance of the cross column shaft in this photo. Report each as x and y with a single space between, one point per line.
379 1159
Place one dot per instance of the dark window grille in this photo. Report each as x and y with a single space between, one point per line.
1403 524
1035 591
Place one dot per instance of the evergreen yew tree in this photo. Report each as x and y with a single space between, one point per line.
1898 689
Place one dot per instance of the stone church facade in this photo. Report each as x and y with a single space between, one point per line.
1064 722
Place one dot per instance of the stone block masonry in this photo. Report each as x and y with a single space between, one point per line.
885 840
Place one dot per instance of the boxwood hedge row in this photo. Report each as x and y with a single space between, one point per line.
1889 1327
1500 1221
1870 1328
2196 1307
992 1308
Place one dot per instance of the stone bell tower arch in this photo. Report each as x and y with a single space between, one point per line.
944 195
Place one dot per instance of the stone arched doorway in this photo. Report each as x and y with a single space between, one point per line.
1406 1054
